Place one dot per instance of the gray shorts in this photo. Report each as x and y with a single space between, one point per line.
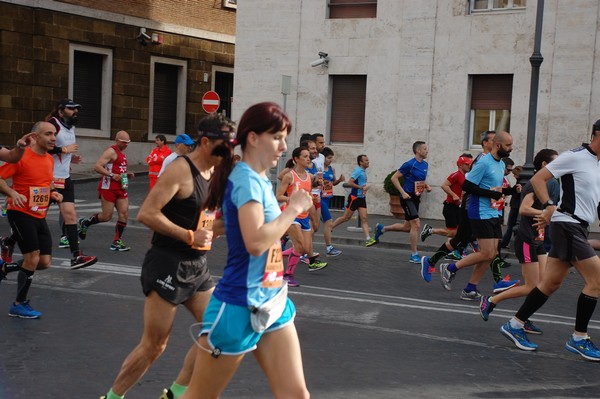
569 242
176 277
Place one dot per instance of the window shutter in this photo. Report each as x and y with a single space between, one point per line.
352 9
491 92
164 118
87 88
348 101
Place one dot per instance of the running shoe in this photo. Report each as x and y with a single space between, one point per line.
585 348
505 284
378 231
3 212
518 337
82 228
118 245
6 250
470 296
81 261
290 280
531 328
370 242
454 255
63 242
426 232
447 276
425 269
167 394
24 311
486 307
333 252
473 246
317 265
304 259
416 258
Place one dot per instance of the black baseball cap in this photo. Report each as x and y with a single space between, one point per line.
68 103
597 125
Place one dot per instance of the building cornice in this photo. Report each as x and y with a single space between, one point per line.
123 19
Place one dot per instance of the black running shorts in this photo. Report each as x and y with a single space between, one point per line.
174 276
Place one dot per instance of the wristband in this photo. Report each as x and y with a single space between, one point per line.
191 237
21 147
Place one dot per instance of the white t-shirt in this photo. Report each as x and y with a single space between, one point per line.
579 173
170 158
320 162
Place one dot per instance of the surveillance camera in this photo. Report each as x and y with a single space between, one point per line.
320 61
322 54
143 36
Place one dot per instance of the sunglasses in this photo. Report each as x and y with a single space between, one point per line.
124 141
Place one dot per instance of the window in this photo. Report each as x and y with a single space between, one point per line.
352 9
489 5
348 101
491 97
223 85
90 84
167 96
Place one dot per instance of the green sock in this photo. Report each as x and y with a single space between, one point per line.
112 395
178 390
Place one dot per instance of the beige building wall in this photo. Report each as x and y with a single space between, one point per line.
418 56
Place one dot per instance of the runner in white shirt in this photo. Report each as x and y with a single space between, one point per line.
579 173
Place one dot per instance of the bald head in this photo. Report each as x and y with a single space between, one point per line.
502 138
502 145
40 127
122 135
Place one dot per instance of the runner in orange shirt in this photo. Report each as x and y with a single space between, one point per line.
29 198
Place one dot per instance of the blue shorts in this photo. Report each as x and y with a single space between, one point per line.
229 329
325 214
304 223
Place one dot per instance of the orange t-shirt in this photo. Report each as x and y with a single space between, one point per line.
305 185
32 177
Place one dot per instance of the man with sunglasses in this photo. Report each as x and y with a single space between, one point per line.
175 270
112 190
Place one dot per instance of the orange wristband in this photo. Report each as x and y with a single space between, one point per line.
191 237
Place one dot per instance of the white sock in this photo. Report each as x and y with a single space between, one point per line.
514 323
578 337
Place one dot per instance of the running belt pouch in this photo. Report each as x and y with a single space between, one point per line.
263 316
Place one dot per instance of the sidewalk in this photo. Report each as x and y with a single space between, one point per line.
87 176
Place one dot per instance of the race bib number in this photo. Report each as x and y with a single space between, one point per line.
205 222
327 188
419 187
273 275
59 183
39 198
497 204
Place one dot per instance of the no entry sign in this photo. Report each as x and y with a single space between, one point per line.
210 102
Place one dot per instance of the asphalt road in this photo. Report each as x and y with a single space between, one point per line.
368 325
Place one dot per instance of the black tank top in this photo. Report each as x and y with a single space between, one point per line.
184 213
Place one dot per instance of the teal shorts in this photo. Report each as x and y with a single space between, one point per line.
229 330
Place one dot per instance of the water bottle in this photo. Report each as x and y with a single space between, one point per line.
124 181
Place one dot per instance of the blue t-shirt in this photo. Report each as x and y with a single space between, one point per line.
243 274
359 175
413 171
487 173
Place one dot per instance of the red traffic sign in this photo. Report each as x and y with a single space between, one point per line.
210 102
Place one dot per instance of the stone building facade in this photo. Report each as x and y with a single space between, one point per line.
139 65
440 71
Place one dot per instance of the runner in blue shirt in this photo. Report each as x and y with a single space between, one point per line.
357 199
484 183
414 173
253 275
